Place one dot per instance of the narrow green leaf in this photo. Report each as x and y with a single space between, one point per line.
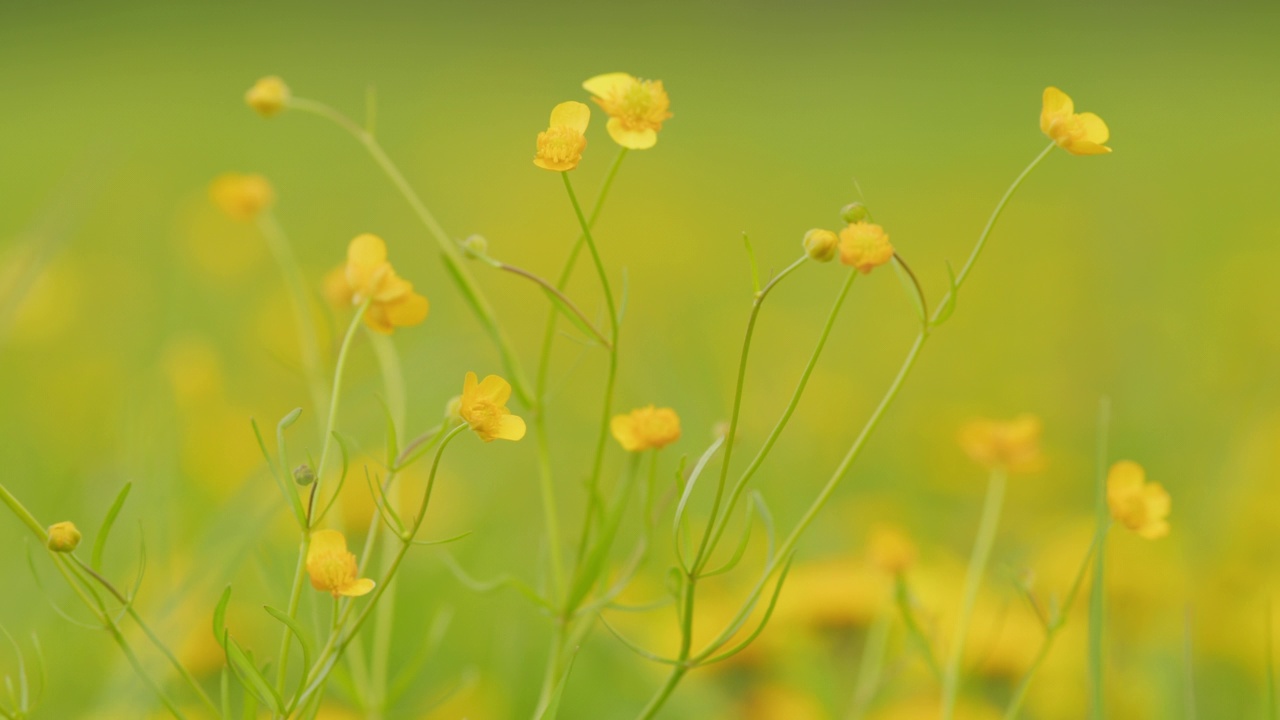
949 303
393 442
250 676
100 542
220 616
573 317
553 705
308 648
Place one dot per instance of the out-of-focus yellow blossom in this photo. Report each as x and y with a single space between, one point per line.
332 568
890 550
776 701
637 108
64 537
1077 133
865 246
833 593
1141 506
393 303
241 197
337 292
484 407
1012 446
268 96
646 428
560 146
821 245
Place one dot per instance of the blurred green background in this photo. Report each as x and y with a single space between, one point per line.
154 328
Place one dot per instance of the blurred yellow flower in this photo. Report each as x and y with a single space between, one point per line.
484 407
392 301
64 537
1141 506
268 96
1013 446
821 245
337 292
332 568
1077 133
637 108
865 246
560 146
890 550
241 197
646 428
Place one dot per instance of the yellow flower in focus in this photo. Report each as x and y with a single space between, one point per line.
64 537
332 568
484 408
241 197
560 146
646 428
890 550
821 245
1013 446
1141 506
865 246
268 96
392 301
636 108
1077 133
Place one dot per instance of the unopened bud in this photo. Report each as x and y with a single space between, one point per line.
304 475
821 244
268 96
854 212
475 246
63 537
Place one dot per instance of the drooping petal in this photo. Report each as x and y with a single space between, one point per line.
641 139
1095 130
571 114
1057 104
1084 147
608 84
510 427
375 318
409 309
363 586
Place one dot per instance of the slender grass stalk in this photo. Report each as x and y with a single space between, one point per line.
788 545
972 584
1097 597
449 249
871 667
304 544
1189 667
300 301
902 598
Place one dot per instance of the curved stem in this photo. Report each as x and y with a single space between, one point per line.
564 300
972 583
449 249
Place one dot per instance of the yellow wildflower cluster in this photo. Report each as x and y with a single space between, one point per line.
332 568
646 428
1141 506
1012 445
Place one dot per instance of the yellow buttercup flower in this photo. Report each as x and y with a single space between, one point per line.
865 246
268 96
637 108
890 550
1141 506
821 245
392 301
332 568
64 537
1012 446
484 408
560 146
646 428
1077 133
241 197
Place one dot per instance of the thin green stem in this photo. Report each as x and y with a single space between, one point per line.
702 556
602 436
741 485
902 598
449 249
871 667
24 515
1097 597
565 302
299 299
972 584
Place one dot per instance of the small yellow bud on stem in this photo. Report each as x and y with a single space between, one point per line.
64 537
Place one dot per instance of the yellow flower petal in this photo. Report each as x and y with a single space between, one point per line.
366 257
327 541
495 390
1057 104
633 139
510 427
1095 130
363 586
608 83
572 114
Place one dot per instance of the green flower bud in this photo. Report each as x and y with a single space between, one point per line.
304 475
821 244
854 212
